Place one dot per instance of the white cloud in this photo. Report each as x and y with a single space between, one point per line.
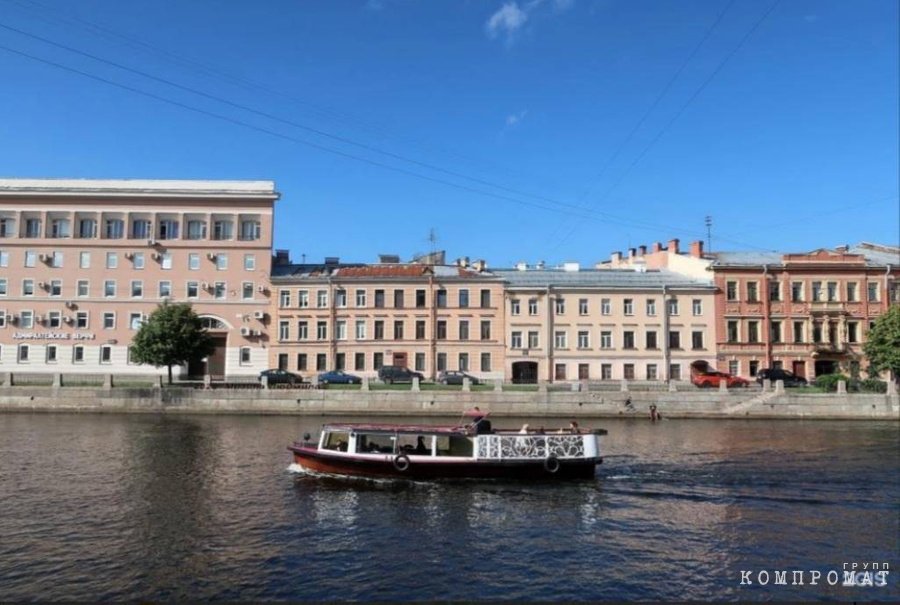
515 118
506 21
510 17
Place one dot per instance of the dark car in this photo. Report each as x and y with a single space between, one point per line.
455 377
338 377
790 379
276 376
392 374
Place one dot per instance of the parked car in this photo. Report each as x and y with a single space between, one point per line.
338 377
790 379
392 374
455 377
712 379
277 376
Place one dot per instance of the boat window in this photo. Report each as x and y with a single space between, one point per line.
337 441
374 443
419 445
454 446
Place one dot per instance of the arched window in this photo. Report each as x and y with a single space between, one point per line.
211 323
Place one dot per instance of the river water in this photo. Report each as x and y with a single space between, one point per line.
126 507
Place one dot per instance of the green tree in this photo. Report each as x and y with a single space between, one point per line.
172 335
882 345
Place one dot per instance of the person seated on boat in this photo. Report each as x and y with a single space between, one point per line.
342 446
573 428
421 448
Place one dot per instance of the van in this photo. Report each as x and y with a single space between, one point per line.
392 374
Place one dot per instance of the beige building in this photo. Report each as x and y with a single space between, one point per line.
606 324
359 317
84 262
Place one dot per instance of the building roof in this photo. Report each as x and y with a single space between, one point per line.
875 255
136 188
364 271
600 278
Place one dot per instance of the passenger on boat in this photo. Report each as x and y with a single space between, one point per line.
573 428
421 448
479 423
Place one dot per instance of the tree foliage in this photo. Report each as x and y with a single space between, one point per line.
882 345
172 335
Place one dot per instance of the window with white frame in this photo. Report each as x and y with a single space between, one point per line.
584 339
56 259
105 354
51 353
219 291
514 307
87 228
140 229
606 339
672 305
168 229
192 289
247 290
23 354
194 261
515 341
196 229
2 323
114 228
360 298
533 339
30 258
303 299
222 229
605 306
112 260
651 307
284 298
81 320
109 320
560 339
54 319
138 261
560 306
628 306
165 289
284 329
360 329
322 298
221 261
321 330
340 330
59 227
137 288
78 354
582 306
245 356
250 230
165 260
26 318
27 287
84 260
302 330
3 290
340 298
82 288
532 306
134 321
55 287
249 262
697 306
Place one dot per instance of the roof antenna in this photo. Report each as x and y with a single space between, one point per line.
708 222
303 259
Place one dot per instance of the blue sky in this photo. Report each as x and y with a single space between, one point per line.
517 130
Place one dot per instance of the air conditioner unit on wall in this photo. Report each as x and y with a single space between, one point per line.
205 285
129 255
42 284
211 255
261 288
256 332
245 331
67 319
156 256
45 258
151 242
259 314
39 319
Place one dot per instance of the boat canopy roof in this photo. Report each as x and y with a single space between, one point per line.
416 429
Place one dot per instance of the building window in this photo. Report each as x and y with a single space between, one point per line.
360 329
628 306
605 371
532 306
831 289
796 291
582 306
628 371
59 228
441 362
754 367
340 298
559 371
533 340
873 291
109 320
606 339
23 353
137 260
250 230
398 299
514 307
696 340
247 290
32 227
28 287
105 354
30 258
752 291
302 330
697 307
3 286
379 299
672 305
463 330
753 331
360 298
605 306
852 332
560 306
485 299
321 330
221 261
441 330
359 361
222 229
284 330
584 339
731 290
55 287
798 332
463 362
303 299
485 330
420 299
168 229
340 361
219 290
51 354
485 362
583 371
774 291
112 260
7 227
84 260
675 371
78 354
249 262
651 342
245 356
817 291
559 340
322 299
379 330
193 289
27 319
852 292
321 362
114 228
398 330
420 362
165 289
420 329
377 361
651 371
137 289
817 332
81 320
674 339
441 299
463 298
733 367
196 229
515 340
54 319
775 331
732 329
301 362
651 307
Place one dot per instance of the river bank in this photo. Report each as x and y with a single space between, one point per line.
695 403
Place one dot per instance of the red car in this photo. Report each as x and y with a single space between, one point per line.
707 380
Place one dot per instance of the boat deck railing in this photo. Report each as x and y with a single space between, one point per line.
529 446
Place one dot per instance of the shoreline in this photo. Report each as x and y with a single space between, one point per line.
518 404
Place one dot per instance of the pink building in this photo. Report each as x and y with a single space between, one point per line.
83 262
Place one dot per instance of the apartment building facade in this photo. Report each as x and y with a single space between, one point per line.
84 262
360 317
805 312
606 324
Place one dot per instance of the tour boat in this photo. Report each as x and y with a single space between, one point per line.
425 452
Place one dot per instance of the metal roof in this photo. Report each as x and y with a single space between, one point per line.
875 256
136 187
600 278
364 271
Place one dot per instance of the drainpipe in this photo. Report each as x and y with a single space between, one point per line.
665 335
551 304
767 319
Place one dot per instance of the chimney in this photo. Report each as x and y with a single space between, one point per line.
282 257
842 249
615 257
642 250
631 252
522 266
657 247
697 248
463 261
673 246
479 265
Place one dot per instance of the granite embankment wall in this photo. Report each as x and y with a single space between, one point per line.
695 403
